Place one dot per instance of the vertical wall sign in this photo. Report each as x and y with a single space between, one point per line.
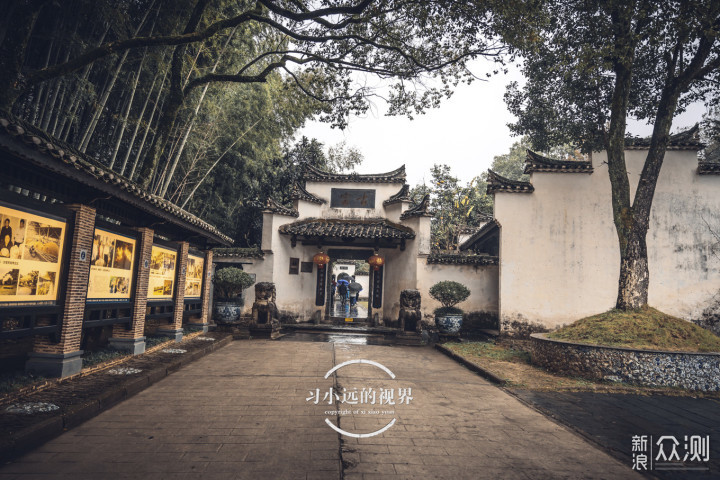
377 287
320 287
111 266
194 276
30 257
163 262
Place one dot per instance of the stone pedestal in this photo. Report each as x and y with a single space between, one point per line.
54 364
176 333
136 346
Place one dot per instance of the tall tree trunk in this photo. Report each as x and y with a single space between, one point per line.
138 123
138 156
75 100
178 153
126 113
12 50
174 101
85 141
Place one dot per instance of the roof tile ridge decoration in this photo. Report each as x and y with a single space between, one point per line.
498 183
708 168
47 144
241 252
314 174
273 207
402 196
537 163
299 193
479 234
419 210
686 140
458 258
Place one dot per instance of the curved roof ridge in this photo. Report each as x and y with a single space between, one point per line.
300 193
418 210
498 183
402 196
534 162
274 207
314 174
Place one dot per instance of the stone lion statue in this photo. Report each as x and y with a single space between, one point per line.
264 309
410 315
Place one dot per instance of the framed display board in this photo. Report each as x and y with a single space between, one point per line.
31 250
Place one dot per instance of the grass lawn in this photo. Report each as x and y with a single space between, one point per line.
644 329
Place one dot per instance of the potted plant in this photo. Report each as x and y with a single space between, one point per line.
229 284
448 318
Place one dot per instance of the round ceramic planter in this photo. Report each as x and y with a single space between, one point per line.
449 324
227 312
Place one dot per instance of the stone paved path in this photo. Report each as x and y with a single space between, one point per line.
613 419
241 412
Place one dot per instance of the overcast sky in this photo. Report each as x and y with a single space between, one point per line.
466 132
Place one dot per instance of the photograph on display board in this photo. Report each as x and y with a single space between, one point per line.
30 254
12 236
162 273
111 266
9 280
42 242
194 277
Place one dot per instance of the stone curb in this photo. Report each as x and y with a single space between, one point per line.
35 435
472 366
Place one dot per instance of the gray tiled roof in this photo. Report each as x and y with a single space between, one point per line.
457 258
686 140
537 163
419 210
272 206
498 183
299 193
402 196
341 228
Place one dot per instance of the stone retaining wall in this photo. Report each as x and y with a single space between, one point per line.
693 371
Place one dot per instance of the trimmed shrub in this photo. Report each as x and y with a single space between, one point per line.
231 281
449 293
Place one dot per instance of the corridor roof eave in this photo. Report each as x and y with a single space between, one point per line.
30 144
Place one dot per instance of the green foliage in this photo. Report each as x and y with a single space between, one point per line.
453 206
449 293
229 282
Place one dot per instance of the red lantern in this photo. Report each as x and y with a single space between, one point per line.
376 261
321 259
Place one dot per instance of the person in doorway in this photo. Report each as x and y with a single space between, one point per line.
354 288
343 291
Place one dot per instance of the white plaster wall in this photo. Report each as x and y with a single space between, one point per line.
481 280
383 191
559 257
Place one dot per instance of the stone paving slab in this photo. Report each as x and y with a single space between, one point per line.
612 419
241 412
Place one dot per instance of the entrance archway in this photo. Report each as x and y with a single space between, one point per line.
349 262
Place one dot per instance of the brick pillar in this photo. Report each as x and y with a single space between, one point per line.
204 321
62 359
175 328
133 339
